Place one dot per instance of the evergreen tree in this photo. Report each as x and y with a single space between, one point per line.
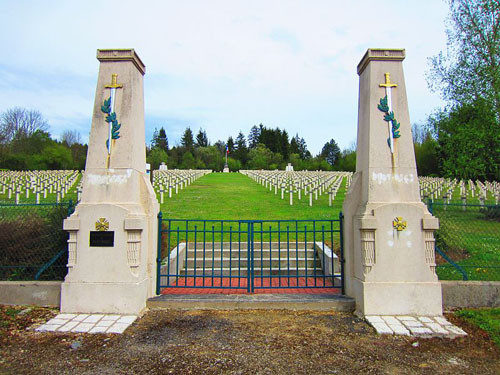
254 136
241 152
330 152
284 144
230 144
303 151
160 140
201 139
187 139
294 146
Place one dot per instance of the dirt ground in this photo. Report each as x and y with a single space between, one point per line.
237 342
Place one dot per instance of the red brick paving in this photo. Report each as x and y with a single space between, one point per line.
219 285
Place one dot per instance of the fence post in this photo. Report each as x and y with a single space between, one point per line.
71 208
158 255
250 271
429 205
342 260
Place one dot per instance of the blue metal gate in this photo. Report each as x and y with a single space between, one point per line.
250 254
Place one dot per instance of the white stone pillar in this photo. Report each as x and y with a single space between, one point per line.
389 244
113 232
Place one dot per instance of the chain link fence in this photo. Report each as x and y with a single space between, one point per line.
32 241
467 242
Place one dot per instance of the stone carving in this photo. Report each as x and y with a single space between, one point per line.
368 249
430 244
72 248
133 248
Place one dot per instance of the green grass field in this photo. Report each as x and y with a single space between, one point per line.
233 196
470 240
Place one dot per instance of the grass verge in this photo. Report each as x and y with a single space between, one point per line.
486 319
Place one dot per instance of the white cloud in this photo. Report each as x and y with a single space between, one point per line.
221 65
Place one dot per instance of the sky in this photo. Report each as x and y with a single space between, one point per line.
223 66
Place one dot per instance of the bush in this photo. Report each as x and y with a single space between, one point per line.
31 236
491 213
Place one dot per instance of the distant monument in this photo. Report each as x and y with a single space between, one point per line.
163 166
226 167
113 232
389 241
289 168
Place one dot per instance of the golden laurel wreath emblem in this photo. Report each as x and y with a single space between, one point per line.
399 224
102 224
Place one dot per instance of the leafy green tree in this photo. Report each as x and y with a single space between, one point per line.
297 162
201 139
471 67
317 163
330 152
260 157
156 156
468 141
426 146
234 165
211 157
426 156
79 155
188 161
221 146
347 160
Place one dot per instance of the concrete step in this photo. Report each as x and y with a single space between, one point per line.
301 271
243 253
291 263
257 245
322 302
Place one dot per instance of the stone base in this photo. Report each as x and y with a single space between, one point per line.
226 170
398 298
122 298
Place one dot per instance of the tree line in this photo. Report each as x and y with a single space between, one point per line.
263 148
26 144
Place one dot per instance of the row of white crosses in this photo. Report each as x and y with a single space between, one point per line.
19 185
172 180
307 183
441 188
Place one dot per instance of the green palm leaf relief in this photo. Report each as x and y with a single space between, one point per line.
111 118
389 117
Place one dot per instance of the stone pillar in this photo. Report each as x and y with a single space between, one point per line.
389 243
113 231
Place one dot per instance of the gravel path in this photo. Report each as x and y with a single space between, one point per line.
239 342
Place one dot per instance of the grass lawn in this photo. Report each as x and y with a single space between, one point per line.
486 319
233 196
470 240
